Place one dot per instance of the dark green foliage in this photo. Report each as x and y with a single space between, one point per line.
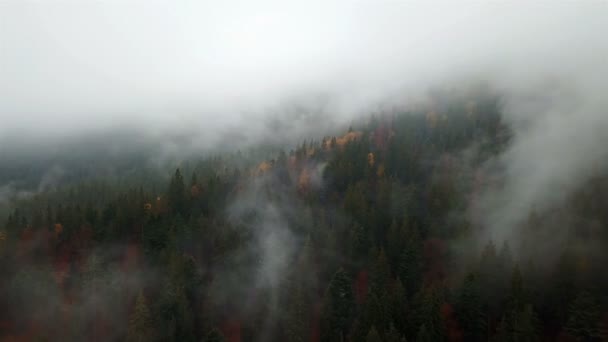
373 335
338 307
583 320
410 263
428 314
424 335
525 325
470 310
176 195
214 336
141 328
392 335
252 241
518 325
399 307
300 297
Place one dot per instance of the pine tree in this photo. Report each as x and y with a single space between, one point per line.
373 335
427 306
359 243
423 335
493 281
584 317
380 276
398 304
470 310
505 256
194 180
177 194
395 241
378 311
338 307
214 336
525 325
392 335
502 332
140 324
298 311
410 264
517 296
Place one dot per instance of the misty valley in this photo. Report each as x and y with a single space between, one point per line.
377 233
303 171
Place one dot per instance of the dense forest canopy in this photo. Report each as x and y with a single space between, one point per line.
372 234
303 171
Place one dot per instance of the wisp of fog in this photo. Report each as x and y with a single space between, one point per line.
236 72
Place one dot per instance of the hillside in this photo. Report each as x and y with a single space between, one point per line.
370 235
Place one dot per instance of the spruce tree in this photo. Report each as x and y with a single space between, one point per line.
410 264
214 336
177 194
338 307
140 324
470 310
373 335
584 317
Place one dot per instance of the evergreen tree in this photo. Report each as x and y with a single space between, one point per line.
177 194
517 296
584 317
410 265
525 325
392 335
378 312
338 307
298 311
398 303
502 332
380 276
214 336
423 335
141 328
426 312
470 310
373 335
395 241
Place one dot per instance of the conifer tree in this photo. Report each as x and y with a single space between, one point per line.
584 317
338 307
177 194
140 324
214 336
373 335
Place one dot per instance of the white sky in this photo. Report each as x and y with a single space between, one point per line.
75 65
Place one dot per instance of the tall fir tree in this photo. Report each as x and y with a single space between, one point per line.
338 307
177 194
584 317
141 328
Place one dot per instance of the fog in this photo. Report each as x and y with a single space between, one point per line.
159 66
241 72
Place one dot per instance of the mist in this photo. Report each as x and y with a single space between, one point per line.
198 77
71 68
107 87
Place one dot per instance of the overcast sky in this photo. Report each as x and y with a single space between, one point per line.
70 66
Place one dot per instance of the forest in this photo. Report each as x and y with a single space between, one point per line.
377 233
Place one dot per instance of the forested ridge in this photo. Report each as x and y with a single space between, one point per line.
368 235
